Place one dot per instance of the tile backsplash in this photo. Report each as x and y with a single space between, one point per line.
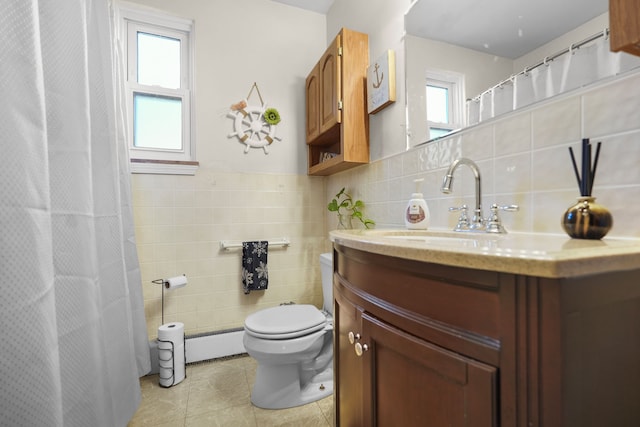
524 159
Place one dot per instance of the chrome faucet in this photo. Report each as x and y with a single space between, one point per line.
477 222
492 224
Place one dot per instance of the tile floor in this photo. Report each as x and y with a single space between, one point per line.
217 393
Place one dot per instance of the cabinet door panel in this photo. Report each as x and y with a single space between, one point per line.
346 365
433 386
313 104
330 86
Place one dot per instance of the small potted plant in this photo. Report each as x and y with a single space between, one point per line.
347 209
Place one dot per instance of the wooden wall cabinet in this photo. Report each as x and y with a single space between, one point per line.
446 346
624 26
337 123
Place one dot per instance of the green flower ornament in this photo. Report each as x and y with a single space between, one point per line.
272 116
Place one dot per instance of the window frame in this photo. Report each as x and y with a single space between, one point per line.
134 19
454 83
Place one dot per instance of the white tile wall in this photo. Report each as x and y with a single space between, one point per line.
180 221
524 160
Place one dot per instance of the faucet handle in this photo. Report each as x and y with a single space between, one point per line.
463 219
494 225
507 208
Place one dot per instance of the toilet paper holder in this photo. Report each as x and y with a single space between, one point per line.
169 284
173 362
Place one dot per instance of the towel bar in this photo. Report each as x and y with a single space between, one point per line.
227 244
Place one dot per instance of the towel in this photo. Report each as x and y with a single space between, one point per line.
255 276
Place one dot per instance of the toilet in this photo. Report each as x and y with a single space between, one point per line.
293 347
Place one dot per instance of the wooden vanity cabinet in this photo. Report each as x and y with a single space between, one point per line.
347 319
624 26
448 346
337 123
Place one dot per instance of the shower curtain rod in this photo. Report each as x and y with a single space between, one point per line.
547 59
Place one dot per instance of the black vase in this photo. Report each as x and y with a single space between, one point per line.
587 219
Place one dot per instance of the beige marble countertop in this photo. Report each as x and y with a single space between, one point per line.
542 255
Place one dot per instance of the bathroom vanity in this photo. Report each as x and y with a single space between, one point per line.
449 329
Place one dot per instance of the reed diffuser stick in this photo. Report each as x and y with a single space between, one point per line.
595 166
575 167
587 173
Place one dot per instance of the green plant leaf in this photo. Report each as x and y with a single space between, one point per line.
345 206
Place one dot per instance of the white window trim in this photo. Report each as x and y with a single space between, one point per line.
455 83
131 18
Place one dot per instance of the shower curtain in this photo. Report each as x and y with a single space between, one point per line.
572 70
73 339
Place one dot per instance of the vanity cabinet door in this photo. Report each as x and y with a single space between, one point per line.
411 382
347 366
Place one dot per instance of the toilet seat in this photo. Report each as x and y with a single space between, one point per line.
285 321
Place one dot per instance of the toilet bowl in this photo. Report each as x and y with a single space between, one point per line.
293 347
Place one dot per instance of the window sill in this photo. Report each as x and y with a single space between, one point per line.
164 167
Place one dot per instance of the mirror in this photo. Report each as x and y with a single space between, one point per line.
476 45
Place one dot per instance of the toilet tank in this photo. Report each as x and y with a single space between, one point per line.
326 271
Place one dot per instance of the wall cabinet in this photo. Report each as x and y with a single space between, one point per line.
624 26
425 344
337 123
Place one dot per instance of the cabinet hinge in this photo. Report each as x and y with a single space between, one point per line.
340 105
340 51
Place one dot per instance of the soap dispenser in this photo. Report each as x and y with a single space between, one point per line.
417 214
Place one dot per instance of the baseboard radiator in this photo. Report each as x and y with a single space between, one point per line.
206 346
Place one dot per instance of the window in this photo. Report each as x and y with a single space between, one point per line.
159 84
445 106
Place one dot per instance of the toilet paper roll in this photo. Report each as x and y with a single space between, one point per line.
175 282
180 365
171 353
166 377
173 332
173 371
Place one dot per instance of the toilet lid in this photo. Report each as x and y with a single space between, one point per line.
285 321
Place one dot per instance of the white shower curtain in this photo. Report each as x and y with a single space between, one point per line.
73 337
572 70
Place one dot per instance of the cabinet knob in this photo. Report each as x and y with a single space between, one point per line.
353 337
361 348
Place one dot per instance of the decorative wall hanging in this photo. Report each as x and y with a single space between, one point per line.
381 82
255 126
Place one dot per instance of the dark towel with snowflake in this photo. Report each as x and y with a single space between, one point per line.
255 276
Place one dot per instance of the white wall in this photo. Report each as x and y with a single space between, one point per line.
239 43
582 32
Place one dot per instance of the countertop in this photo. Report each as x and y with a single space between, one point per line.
542 255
